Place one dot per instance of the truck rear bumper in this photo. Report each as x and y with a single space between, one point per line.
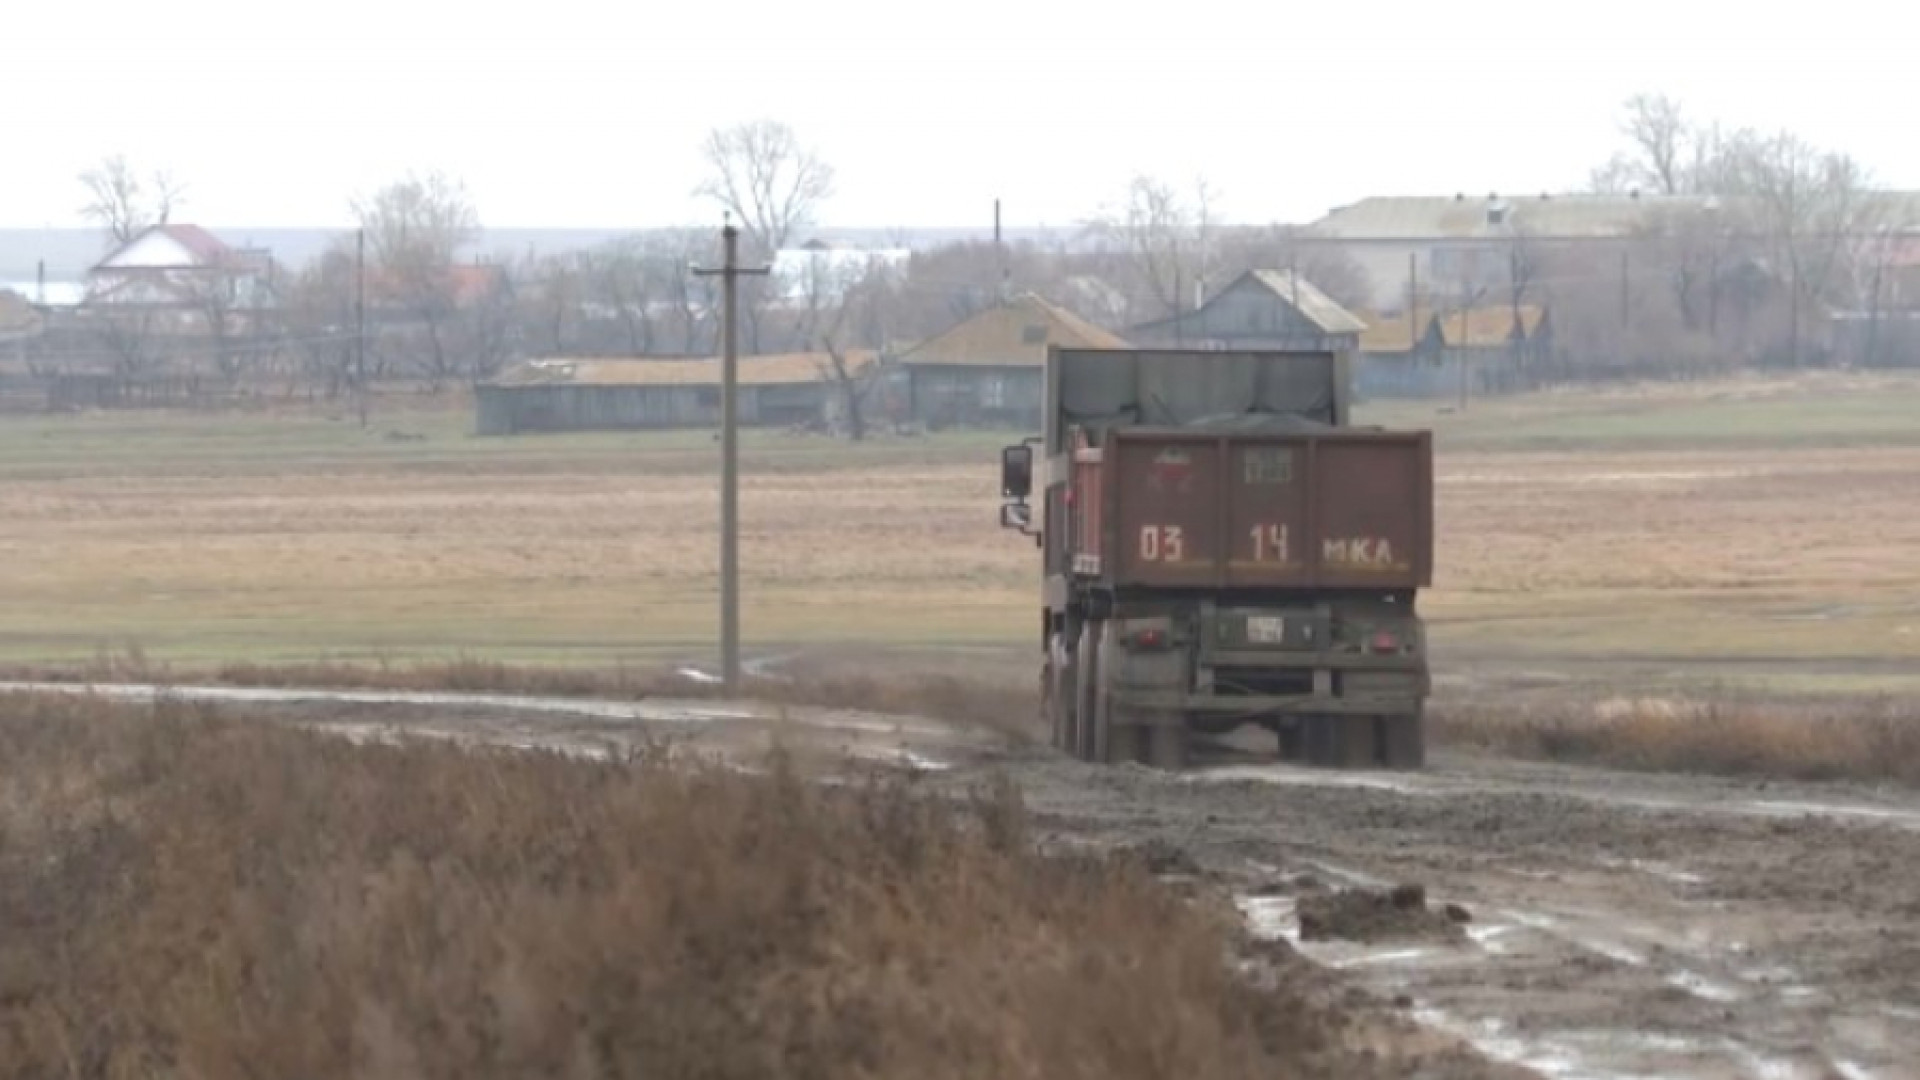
1255 705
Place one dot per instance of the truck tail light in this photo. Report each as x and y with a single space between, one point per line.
1385 641
1149 639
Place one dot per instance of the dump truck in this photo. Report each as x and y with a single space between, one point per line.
1225 555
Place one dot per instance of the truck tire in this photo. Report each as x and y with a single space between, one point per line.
1087 683
1167 745
1119 736
1292 736
1403 740
1063 693
1341 742
1125 742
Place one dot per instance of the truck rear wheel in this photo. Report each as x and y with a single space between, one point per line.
1119 738
1403 740
1120 742
1292 736
1086 696
1167 745
1341 742
1063 693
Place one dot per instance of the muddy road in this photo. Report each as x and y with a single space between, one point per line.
1620 925
1615 924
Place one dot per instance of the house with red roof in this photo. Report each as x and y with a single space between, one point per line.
183 273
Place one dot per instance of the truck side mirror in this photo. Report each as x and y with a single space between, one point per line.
1016 472
1016 516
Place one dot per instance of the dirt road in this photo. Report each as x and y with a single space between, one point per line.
1620 924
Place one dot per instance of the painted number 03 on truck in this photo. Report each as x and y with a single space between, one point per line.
1162 543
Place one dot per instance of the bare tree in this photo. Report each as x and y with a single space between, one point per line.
490 331
557 293
760 172
1666 154
674 254
1659 129
216 300
621 285
130 338
1807 205
320 320
1168 240
416 228
864 301
124 205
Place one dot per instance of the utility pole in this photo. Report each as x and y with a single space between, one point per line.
360 323
1000 255
1626 310
729 274
1413 303
1463 353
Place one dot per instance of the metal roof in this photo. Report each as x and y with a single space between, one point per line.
776 370
1013 334
1487 327
1444 217
1394 333
1319 308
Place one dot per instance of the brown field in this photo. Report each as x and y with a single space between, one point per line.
426 911
1710 578
1758 535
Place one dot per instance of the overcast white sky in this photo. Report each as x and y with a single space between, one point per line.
564 112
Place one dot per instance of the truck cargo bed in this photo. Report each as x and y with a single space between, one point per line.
1332 509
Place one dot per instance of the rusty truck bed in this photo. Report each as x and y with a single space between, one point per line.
1326 509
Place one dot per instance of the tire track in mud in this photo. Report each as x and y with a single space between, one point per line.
1623 925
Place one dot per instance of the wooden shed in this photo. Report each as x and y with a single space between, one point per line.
564 394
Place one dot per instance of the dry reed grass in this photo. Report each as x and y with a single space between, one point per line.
189 895
1827 740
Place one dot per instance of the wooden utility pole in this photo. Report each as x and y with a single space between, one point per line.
360 324
729 274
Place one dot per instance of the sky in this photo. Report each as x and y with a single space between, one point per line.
564 113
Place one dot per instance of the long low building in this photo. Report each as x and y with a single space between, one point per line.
565 394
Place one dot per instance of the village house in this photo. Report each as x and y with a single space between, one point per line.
1260 309
1391 360
1454 245
565 394
987 369
183 279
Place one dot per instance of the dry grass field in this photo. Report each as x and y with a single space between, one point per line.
1775 525
191 895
